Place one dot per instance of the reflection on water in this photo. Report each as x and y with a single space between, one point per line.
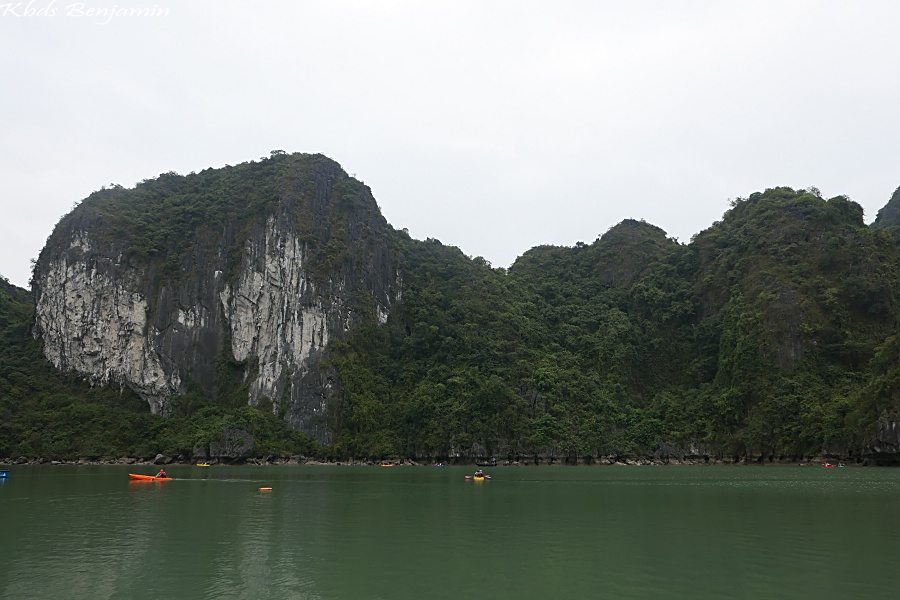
416 532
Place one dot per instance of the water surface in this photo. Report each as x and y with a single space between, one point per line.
423 532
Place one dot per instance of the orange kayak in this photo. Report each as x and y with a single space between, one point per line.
148 477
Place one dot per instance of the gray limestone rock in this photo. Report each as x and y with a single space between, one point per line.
256 294
235 444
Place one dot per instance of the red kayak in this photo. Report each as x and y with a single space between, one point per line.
148 477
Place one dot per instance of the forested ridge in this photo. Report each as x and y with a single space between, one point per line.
770 336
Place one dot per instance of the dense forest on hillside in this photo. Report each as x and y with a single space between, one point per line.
771 335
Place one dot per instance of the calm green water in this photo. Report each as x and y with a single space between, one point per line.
424 532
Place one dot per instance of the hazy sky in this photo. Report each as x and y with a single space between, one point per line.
492 126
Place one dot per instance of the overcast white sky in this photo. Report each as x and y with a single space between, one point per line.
492 126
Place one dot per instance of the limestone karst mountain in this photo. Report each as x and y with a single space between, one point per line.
276 289
233 281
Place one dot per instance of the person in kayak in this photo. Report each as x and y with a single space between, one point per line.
162 473
479 473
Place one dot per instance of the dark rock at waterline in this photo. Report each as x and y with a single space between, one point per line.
234 444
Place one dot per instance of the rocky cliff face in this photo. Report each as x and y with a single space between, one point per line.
889 215
264 294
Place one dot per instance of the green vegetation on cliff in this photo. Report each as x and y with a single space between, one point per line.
771 334
167 222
